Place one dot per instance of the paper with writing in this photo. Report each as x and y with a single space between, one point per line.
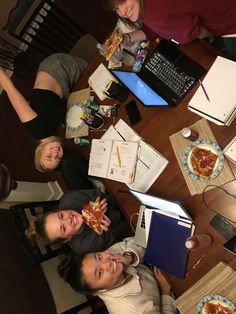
115 160
150 163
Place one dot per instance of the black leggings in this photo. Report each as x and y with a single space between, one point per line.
74 170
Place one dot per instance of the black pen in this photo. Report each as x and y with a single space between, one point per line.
204 91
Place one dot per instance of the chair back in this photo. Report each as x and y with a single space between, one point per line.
47 29
36 250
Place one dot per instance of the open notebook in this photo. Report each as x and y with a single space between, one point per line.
150 163
115 160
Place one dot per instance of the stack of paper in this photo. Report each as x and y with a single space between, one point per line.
150 163
215 97
230 150
99 80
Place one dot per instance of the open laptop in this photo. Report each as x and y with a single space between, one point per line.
157 203
165 77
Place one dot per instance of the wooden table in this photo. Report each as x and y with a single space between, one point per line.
219 280
156 126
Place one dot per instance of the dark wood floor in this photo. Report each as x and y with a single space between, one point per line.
23 289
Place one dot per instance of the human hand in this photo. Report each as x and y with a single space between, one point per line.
163 283
127 39
105 223
103 203
123 259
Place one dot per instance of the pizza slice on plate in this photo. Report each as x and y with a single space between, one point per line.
92 215
203 162
216 308
112 44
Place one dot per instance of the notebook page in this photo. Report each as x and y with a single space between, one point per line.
99 80
219 84
99 158
122 163
150 163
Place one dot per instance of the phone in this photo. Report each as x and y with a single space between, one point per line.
133 112
231 245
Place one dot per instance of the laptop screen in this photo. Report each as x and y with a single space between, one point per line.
160 203
139 89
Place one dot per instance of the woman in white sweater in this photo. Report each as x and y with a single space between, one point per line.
120 280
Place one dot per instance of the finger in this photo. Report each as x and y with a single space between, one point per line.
106 219
104 228
98 199
105 223
104 206
103 201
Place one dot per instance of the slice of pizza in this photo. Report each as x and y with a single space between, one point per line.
216 308
92 215
112 44
203 162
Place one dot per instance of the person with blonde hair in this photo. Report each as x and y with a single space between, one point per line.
45 110
181 21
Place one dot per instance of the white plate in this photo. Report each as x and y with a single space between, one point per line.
73 121
205 144
215 299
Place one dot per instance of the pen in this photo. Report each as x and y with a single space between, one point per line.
144 163
118 155
204 91
189 272
98 130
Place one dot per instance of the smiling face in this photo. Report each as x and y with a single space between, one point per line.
51 155
101 271
129 9
63 224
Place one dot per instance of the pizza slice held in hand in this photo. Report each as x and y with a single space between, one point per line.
112 44
92 215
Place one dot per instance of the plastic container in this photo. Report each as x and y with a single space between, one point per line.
81 141
190 134
198 241
140 57
101 48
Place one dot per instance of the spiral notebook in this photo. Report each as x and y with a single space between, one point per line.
115 160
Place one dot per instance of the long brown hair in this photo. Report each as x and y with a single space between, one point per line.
37 230
112 4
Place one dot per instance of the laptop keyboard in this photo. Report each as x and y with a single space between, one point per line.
178 82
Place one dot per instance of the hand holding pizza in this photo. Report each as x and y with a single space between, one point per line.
93 215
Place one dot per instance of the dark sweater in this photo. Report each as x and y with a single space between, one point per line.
89 240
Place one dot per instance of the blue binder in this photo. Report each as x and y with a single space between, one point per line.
166 244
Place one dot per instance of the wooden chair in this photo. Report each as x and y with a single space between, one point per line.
39 252
47 29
